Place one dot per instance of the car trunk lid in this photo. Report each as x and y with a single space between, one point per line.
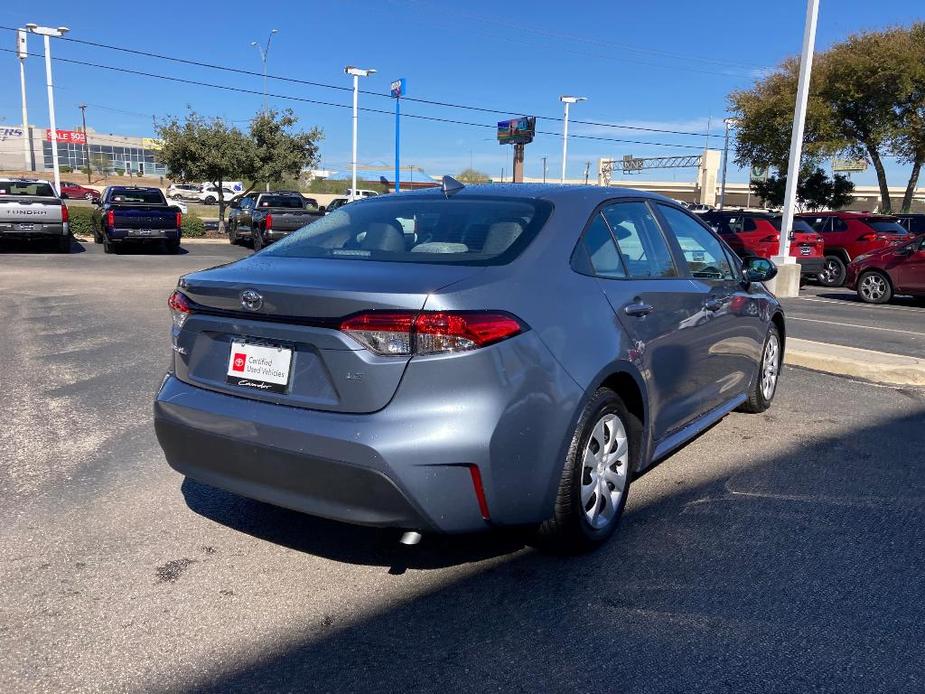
296 307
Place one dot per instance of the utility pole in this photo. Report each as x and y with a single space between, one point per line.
22 52
46 33
83 118
727 123
587 171
264 57
796 138
356 73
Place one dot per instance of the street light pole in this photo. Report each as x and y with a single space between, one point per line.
356 73
567 100
796 138
83 118
23 52
46 33
544 169
264 58
727 122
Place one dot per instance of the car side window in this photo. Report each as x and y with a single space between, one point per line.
839 224
703 252
820 224
602 252
640 240
749 224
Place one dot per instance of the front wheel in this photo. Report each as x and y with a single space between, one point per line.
763 388
874 288
596 476
833 273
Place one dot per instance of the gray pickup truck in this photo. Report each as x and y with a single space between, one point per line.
31 210
268 217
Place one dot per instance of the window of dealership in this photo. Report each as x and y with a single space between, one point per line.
105 157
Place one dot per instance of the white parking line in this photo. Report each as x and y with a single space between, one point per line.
855 325
860 305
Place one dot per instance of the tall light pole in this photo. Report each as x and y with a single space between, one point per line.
46 33
567 100
22 52
356 73
83 118
796 137
264 57
544 169
728 123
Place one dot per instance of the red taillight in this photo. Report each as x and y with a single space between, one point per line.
429 332
479 490
269 223
179 308
110 218
64 213
179 219
877 237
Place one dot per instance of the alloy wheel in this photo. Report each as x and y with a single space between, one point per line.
831 272
770 366
873 287
605 465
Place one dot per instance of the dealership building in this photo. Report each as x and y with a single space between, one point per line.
106 152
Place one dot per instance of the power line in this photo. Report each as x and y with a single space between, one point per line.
429 102
418 116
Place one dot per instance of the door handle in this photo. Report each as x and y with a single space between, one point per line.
715 303
638 309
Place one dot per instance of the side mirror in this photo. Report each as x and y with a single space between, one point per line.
758 269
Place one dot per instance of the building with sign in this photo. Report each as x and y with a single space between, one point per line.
108 152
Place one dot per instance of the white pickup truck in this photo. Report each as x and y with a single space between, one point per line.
30 209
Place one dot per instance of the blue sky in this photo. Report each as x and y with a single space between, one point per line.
662 64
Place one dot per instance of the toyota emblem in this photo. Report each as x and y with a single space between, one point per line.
251 300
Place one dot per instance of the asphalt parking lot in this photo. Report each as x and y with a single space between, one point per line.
780 552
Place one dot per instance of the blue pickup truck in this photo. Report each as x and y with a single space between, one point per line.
132 215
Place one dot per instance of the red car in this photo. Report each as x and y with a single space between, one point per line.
850 234
758 234
898 269
75 191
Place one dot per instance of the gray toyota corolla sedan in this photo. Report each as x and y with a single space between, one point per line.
467 357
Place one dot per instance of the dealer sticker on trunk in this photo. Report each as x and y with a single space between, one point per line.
259 366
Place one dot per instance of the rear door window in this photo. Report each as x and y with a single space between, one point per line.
642 245
703 252
601 250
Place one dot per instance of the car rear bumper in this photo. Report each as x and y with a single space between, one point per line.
133 235
20 231
407 465
811 265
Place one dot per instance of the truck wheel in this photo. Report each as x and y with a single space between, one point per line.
107 246
833 274
258 240
64 244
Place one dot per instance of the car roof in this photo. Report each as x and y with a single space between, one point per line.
553 192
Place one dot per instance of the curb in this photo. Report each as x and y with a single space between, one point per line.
879 367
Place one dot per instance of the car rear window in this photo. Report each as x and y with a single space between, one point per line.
142 196
280 201
42 190
476 230
885 226
798 225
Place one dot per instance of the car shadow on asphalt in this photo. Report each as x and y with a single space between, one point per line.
799 571
39 247
852 298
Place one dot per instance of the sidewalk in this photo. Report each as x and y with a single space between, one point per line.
878 367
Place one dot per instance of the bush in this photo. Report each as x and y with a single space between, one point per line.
193 226
120 172
80 219
65 169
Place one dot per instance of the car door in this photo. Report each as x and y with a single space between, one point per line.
731 337
910 272
657 308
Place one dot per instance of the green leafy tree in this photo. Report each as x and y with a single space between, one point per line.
282 152
815 190
201 149
865 101
473 176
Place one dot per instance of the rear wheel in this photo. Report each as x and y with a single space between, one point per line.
172 247
833 273
258 240
64 244
762 390
595 477
874 287
107 246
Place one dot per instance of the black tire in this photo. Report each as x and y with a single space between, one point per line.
569 530
834 273
210 200
757 400
874 287
172 247
107 246
258 240
64 244
233 236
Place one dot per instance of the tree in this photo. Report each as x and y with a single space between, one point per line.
815 190
472 176
281 152
865 100
200 149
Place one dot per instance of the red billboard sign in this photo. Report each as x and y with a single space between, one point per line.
74 136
